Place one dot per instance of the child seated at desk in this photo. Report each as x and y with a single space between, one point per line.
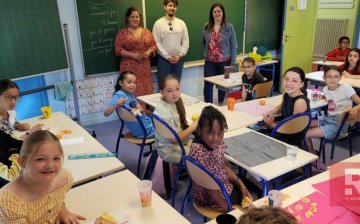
294 101
37 195
339 54
9 96
250 78
351 68
208 148
172 110
340 97
124 95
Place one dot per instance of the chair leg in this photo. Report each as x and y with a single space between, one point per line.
323 148
167 178
139 159
175 184
151 165
350 145
332 150
185 199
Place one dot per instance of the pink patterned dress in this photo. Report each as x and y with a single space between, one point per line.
213 161
125 40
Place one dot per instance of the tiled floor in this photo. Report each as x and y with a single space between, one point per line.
128 153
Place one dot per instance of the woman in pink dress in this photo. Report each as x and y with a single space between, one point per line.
134 45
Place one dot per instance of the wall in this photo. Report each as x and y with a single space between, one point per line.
68 15
349 14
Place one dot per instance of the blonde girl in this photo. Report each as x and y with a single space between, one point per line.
37 195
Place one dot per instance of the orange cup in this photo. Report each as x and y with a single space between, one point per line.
231 103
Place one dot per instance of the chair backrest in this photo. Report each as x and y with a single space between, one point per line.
293 124
124 113
204 178
262 89
163 129
342 119
356 119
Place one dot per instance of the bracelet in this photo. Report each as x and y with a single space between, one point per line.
236 178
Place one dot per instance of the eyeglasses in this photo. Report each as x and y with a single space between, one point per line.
170 26
11 97
247 66
332 77
344 42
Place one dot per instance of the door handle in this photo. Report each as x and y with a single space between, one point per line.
285 37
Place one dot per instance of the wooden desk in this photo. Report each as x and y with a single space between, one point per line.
153 99
318 77
82 169
296 191
119 191
277 100
275 168
323 63
304 188
222 84
235 80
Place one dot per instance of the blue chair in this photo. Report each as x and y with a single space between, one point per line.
294 124
204 178
297 123
323 141
124 113
163 129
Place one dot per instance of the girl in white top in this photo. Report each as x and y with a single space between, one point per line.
340 98
171 109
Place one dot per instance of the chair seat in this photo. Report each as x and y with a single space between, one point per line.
130 138
212 213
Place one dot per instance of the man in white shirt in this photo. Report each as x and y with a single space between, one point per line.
172 39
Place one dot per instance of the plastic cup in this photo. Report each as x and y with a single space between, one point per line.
227 72
291 153
315 95
225 219
275 198
144 187
46 112
231 103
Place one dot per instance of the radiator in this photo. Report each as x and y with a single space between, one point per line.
328 32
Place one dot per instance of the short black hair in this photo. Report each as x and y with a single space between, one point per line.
208 115
344 38
166 2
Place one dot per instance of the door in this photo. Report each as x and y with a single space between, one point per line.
298 35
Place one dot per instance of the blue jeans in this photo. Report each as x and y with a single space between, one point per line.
212 69
164 67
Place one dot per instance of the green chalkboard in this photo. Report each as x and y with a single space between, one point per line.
31 38
263 24
99 22
195 14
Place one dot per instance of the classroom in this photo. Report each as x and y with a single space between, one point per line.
69 61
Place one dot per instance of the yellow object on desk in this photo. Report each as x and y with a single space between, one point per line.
195 117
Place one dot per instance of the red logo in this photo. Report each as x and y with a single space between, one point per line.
345 184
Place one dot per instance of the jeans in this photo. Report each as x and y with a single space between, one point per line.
164 67
212 69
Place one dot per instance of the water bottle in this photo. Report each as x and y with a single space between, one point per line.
321 116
